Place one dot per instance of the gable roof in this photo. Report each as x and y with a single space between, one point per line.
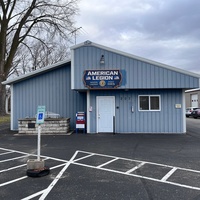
89 43
36 72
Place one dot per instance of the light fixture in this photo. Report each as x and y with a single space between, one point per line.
102 60
87 42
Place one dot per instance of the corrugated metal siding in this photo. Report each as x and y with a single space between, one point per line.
138 74
168 120
52 89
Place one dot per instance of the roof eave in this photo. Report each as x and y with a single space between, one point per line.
35 73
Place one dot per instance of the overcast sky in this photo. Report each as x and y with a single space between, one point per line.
167 31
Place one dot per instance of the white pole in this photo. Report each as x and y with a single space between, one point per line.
39 142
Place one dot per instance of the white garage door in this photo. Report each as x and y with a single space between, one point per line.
194 99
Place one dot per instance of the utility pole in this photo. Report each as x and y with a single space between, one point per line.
74 32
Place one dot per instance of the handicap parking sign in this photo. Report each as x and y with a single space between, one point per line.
40 114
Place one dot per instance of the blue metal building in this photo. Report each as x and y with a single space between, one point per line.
119 92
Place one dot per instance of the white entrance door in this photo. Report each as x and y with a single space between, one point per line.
105 113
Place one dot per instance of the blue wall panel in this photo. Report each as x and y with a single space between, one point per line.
139 74
52 89
168 120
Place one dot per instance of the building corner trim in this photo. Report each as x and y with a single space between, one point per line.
12 108
72 70
183 109
88 113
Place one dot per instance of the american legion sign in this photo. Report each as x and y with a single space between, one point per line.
102 79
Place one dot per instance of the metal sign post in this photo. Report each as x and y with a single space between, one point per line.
39 121
39 142
37 168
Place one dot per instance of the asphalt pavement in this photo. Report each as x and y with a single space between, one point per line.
103 166
5 128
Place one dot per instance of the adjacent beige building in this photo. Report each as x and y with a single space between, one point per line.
193 98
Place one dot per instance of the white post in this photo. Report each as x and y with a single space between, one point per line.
39 142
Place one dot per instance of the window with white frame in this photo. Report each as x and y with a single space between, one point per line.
149 102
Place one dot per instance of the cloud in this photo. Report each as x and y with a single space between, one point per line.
160 30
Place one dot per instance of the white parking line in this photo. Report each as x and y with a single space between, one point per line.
5 170
5 153
128 173
42 191
57 166
83 157
16 158
10 150
66 164
19 166
13 181
139 176
107 163
169 174
146 162
29 154
15 167
34 195
24 177
46 192
135 168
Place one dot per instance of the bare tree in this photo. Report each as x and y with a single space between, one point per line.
22 22
39 56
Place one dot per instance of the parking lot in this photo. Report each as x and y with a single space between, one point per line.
103 166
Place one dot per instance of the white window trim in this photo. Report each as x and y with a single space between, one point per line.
149 103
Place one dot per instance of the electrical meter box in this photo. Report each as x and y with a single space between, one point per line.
81 121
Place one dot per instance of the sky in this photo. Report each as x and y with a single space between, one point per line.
166 31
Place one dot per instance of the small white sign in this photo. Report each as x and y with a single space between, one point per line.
90 109
177 105
80 125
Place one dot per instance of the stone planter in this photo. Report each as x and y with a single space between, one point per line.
50 126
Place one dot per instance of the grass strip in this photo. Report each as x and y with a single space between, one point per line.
4 119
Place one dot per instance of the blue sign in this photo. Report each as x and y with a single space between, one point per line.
102 79
40 114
